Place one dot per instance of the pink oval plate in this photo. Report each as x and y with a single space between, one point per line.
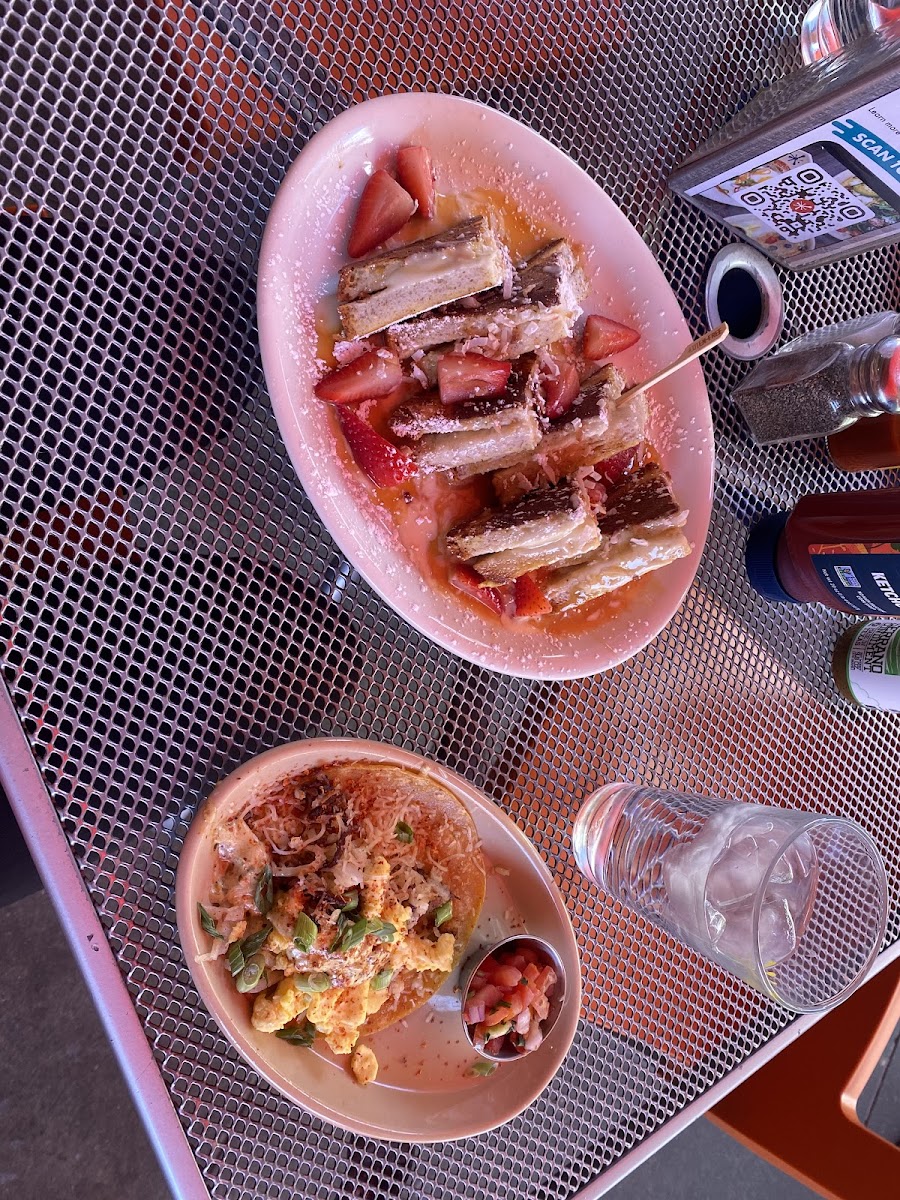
424 1091
473 147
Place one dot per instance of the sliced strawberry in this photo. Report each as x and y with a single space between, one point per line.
530 600
415 174
382 462
612 471
373 374
596 494
466 579
560 393
384 208
603 337
467 376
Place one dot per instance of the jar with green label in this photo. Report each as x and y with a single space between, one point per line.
866 665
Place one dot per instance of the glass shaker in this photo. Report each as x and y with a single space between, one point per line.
824 381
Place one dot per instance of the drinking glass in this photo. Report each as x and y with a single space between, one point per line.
795 903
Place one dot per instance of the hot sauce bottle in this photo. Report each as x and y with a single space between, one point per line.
842 550
866 665
869 445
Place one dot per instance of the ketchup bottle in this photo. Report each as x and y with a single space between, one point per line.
842 550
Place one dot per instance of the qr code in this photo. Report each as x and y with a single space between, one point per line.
804 203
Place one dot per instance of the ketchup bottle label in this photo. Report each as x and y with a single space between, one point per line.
864 575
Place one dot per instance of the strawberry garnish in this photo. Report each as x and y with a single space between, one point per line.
613 470
373 374
384 208
467 376
382 461
466 579
603 337
530 600
415 174
560 393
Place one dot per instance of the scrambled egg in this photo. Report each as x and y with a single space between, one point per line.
417 954
275 1011
364 1065
339 1012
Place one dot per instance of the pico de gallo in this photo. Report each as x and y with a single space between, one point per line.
508 999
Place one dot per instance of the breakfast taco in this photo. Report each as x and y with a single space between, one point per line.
341 899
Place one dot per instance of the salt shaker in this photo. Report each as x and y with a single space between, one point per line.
814 390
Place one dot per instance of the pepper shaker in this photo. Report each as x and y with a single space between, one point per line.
818 389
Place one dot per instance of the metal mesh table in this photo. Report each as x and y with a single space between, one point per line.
173 606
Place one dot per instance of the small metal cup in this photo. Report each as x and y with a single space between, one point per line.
526 941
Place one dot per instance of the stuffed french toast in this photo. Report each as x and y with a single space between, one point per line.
468 378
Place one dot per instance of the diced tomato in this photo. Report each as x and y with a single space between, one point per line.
513 1005
604 337
560 393
467 580
613 470
540 1007
415 174
499 1013
470 376
373 374
384 208
487 966
546 980
380 459
530 600
513 960
531 972
489 995
507 976
495 1045
529 955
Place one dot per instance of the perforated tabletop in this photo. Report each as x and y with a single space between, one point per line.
173 605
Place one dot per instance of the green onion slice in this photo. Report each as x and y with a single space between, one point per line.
354 935
383 930
483 1068
262 895
305 932
208 924
312 981
254 942
250 976
303 1034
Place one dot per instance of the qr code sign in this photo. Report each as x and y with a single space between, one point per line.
804 203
